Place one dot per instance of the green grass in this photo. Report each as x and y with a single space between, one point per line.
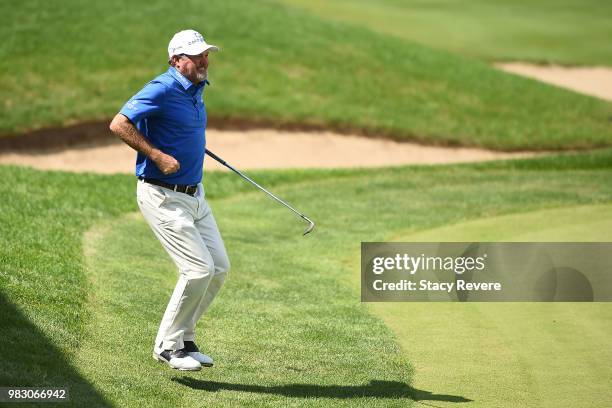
571 224
278 336
84 282
571 32
62 65
539 350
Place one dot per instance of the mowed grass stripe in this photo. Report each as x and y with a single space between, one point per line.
279 65
513 354
279 336
568 32
586 223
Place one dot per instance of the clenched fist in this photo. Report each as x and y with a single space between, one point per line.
165 163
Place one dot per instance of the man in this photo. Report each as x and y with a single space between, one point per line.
165 123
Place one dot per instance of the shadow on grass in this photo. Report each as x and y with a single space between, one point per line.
378 389
28 358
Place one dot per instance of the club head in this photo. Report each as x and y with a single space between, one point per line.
310 227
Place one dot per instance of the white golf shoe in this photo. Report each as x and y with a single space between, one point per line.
179 360
192 351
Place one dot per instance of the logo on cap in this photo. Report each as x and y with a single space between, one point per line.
197 37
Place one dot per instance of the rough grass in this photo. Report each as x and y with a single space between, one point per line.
66 64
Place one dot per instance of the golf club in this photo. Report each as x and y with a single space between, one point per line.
311 224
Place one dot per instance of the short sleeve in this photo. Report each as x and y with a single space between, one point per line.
148 102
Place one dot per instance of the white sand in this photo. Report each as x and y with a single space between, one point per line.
265 149
594 81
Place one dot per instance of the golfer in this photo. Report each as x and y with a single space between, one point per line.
165 123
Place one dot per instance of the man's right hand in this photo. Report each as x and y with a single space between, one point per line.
122 127
164 162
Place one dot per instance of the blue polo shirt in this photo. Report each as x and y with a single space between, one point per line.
170 113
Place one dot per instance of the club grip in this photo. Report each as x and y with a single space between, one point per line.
217 158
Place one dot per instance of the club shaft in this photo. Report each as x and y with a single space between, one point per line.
247 178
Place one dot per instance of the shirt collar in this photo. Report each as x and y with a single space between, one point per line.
186 84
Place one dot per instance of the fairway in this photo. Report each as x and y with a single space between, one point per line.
289 327
526 354
544 31
275 338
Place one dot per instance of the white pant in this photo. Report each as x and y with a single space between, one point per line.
187 230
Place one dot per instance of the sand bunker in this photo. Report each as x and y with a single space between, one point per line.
594 81
269 149
264 149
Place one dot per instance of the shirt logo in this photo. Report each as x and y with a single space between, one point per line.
132 105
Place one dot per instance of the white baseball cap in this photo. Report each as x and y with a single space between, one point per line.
189 42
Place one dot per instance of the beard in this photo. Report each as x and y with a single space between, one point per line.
202 74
